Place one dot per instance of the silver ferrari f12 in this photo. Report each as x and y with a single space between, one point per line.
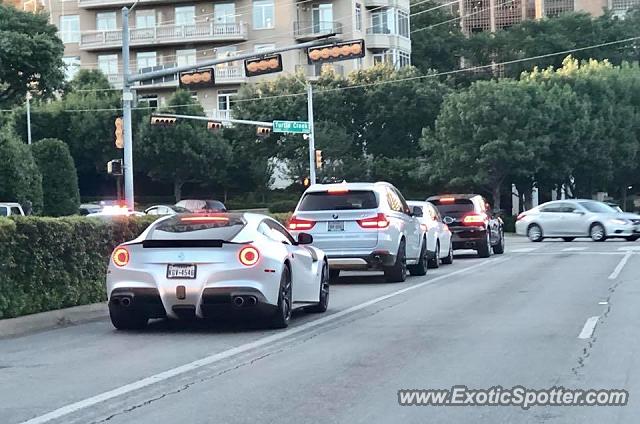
215 265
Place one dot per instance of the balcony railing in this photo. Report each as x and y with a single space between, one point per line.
167 34
221 114
309 29
223 75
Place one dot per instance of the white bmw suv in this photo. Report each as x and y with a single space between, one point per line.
363 226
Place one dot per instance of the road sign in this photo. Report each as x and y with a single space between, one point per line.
296 127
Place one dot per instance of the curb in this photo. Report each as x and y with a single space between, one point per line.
52 319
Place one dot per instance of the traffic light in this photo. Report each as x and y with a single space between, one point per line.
163 121
318 159
214 125
119 133
263 65
338 51
114 167
263 131
305 182
197 79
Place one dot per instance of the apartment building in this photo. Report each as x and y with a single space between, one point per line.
33 6
168 33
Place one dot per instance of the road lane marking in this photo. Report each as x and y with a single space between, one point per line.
629 248
620 265
573 249
156 378
524 250
604 302
589 327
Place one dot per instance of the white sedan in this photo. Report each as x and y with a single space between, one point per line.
439 247
213 265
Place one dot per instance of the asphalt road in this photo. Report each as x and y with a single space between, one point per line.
512 319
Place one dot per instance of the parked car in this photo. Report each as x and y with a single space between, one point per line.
194 205
439 247
11 209
363 226
109 212
165 210
472 223
89 208
207 265
568 219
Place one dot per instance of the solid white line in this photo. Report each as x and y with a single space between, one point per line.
620 265
524 250
629 248
573 249
575 253
588 328
128 388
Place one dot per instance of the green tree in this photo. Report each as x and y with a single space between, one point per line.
20 178
30 56
59 178
184 153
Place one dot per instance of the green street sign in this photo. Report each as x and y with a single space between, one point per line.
295 127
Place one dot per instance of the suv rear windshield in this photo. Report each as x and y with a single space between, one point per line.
455 209
325 201
198 227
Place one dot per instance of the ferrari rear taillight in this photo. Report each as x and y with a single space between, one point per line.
378 221
298 224
475 219
520 216
120 256
249 256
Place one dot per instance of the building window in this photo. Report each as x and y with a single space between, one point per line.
146 60
108 64
224 13
148 101
225 101
263 14
358 17
145 18
322 15
403 23
382 22
263 47
106 21
226 52
70 28
185 15
404 59
72 66
379 57
186 57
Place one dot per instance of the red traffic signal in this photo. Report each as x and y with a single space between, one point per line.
333 52
263 131
195 79
214 125
263 65
162 121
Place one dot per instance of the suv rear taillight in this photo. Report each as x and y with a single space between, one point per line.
378 221
475 219
298 224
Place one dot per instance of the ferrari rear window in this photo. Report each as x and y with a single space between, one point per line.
198 227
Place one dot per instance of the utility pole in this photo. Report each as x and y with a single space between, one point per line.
312 142
127 98
28 117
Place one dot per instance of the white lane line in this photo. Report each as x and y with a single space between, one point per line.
524 250
573 249
589 327
128 388
620 265
629 248
575 253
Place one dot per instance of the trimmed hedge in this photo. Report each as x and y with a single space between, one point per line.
53 263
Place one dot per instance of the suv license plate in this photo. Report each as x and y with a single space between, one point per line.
335 226
181 271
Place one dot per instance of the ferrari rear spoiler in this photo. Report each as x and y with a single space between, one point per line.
150 244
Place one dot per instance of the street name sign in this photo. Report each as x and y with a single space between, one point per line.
295 127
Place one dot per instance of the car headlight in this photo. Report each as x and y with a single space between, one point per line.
618 221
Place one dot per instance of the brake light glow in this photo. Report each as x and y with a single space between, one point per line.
120 256
204 219
447 199
249 256
474 219
337 190
298 224
378 221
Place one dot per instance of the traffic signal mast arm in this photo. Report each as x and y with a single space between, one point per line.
208 119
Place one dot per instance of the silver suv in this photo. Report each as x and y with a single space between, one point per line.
363 226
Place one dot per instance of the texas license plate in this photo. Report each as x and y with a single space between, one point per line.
336 226
181 271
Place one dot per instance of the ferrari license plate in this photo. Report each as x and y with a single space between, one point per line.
336 226
181 271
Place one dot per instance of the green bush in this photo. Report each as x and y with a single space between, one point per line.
53 263
281 217
283 206
60 192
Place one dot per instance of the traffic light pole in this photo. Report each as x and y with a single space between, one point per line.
127 99
312 141
204 118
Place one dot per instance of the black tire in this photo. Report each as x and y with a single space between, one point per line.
597 232
435 261
484 250
282 315
632 238
334 275
534 233
127 319
397 273
568 239
449 259
498 249
323 302
420 268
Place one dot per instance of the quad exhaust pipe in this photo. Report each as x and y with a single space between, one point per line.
125 301
241 301
238 301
